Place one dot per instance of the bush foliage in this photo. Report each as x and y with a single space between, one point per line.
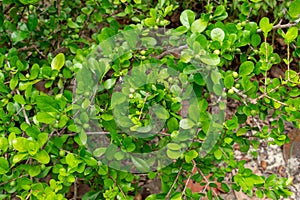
94 92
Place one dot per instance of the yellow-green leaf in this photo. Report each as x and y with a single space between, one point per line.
58 62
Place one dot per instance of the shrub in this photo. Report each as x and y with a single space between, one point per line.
98 92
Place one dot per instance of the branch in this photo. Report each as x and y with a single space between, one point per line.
171 51
75 189
205 179
24 111
253 101
278 26
28 48
188 180
4 183
169 193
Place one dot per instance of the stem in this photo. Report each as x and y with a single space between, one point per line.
24 111
145 99
205 179
188 180
288 61
265 40
169 193
75 189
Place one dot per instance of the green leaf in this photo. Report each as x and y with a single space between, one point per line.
271 180
32 147
144 129
218 154
225 187
19 99
271 194
18 157
291 35
190 155
72 24
99 151
26 2
45 117
186 124
228 81
241 131
255 179
32 21
71 160
141 164
246 68
107 117
215 76
294 10
217 34
187 17
4 165
109 83
198 26
131 37
265 26
19 36
233 123
150 21
58 62
259 193
173 154
160 111
255 40
34 170
47 104
42 157
176 196
83 137
117 98
194 111
199 79
42 139
210 59
172 124
173 146
1 60
20 144
3 144
13 82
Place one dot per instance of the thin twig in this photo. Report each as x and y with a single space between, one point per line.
28 48
180 48
224 153
253 101
75 189
188 180
175 181
278 26
205 179
24 111
92 133
284 104
122 192
4 183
